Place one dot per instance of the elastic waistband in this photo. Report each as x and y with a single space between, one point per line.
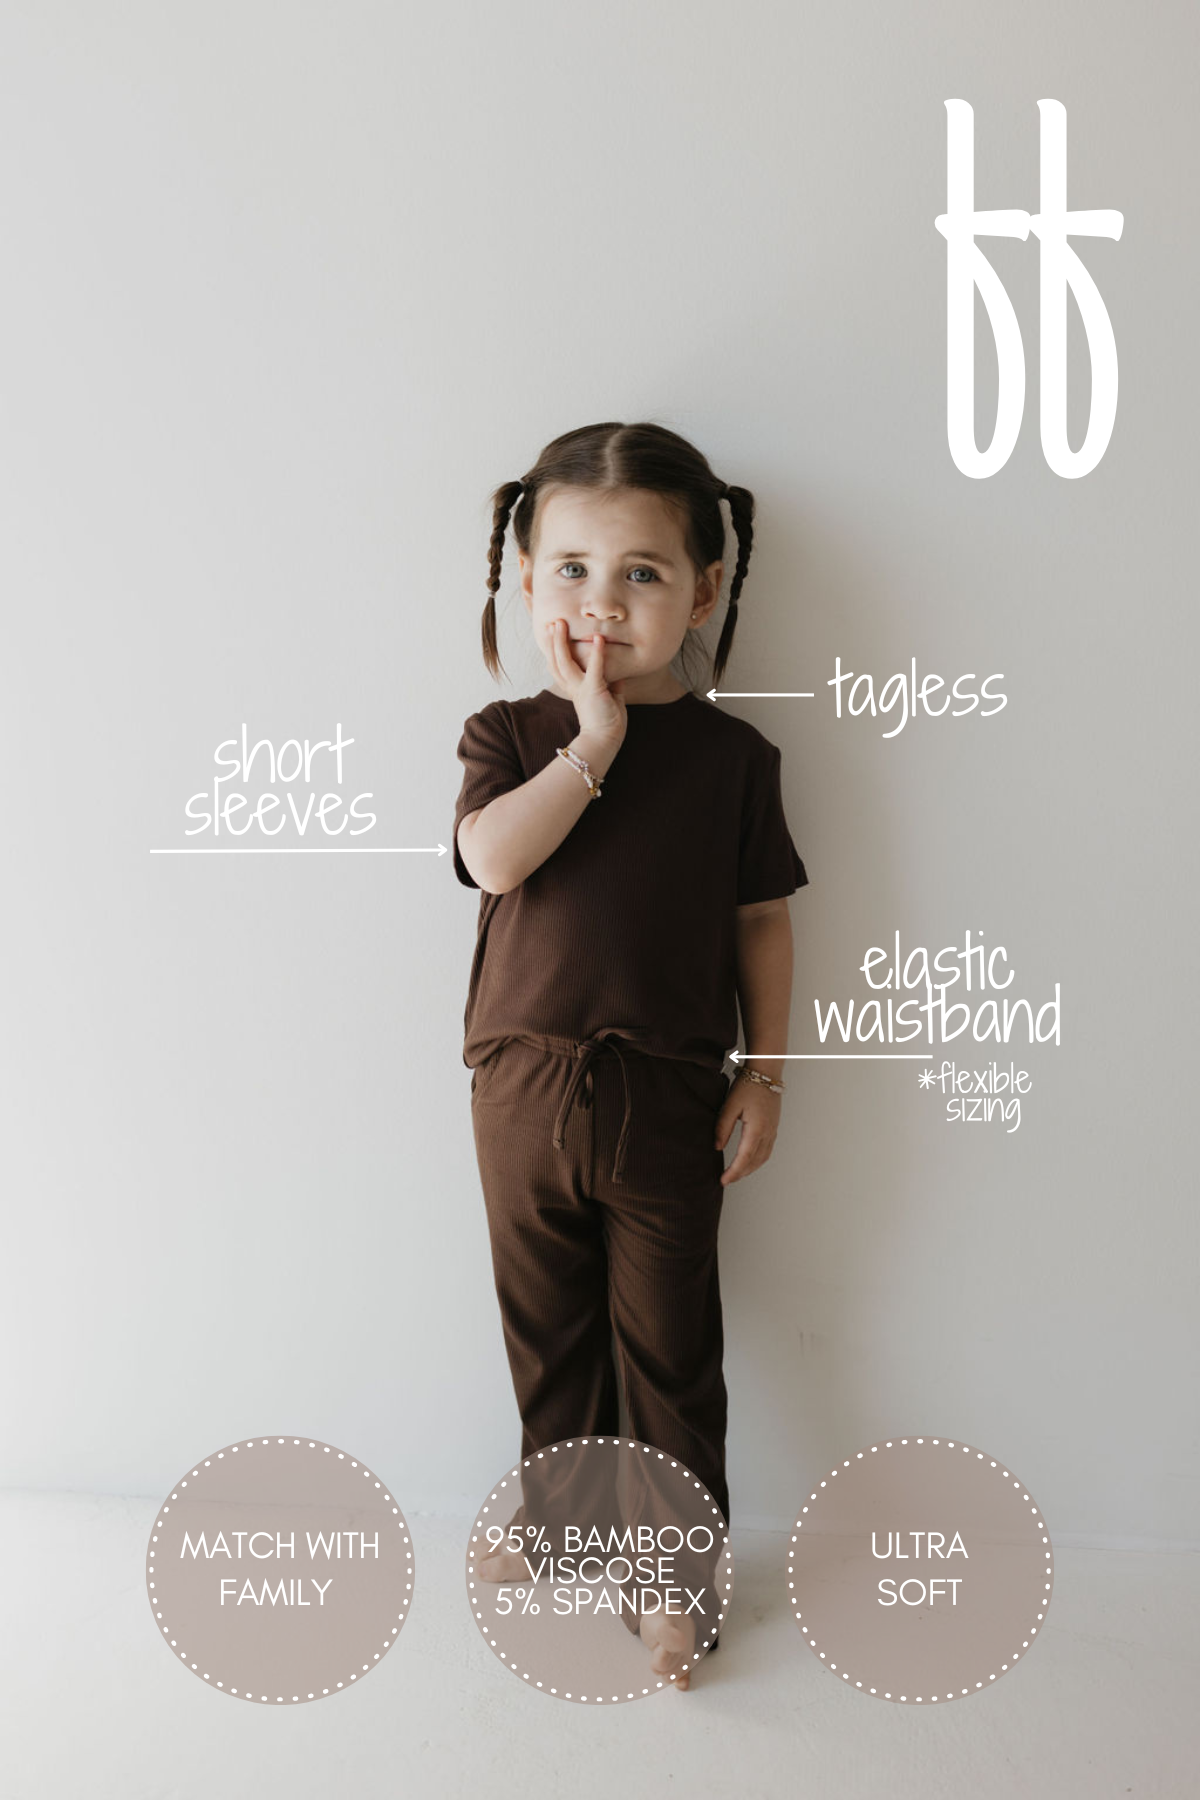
632 1037
615 1040
603 1038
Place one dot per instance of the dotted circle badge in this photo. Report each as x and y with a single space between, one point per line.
279 1570
599 1571
920 1570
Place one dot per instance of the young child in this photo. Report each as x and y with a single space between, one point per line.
634 860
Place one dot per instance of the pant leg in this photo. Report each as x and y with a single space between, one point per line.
664 1290
549 1254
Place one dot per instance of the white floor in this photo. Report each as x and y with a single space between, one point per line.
97 1708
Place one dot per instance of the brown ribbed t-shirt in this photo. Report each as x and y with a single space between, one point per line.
630 923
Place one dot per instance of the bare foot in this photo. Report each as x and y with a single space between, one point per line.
502 1565
671 1642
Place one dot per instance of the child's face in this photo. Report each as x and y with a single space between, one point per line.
614 563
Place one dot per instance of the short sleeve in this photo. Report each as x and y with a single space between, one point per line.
491 766
768 866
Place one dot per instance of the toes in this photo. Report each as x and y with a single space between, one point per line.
497 1567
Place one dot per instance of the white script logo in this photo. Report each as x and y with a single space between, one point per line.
967 268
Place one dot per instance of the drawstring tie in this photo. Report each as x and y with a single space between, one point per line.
584 1053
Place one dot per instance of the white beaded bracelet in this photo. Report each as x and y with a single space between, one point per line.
595 782
757 1076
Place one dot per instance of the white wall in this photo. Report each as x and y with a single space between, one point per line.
288 291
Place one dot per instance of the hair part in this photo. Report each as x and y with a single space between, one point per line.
611 456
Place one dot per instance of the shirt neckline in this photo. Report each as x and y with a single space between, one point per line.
635 706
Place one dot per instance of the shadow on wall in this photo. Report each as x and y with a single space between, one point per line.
800 1237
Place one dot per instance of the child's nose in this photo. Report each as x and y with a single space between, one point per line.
604 605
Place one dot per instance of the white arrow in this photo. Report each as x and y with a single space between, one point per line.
740 1056
725 695
305 850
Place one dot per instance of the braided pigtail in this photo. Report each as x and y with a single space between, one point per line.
741 512
503 501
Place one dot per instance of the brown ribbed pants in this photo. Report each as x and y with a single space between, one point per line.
603 1198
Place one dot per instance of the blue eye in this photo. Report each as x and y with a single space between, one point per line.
639 569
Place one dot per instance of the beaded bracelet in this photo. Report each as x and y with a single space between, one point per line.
757 1076
595 782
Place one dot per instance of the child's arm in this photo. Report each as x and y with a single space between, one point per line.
764 965
511 836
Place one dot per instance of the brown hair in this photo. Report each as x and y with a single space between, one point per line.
611 456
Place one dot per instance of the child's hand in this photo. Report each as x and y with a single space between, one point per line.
758 1109
598 703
